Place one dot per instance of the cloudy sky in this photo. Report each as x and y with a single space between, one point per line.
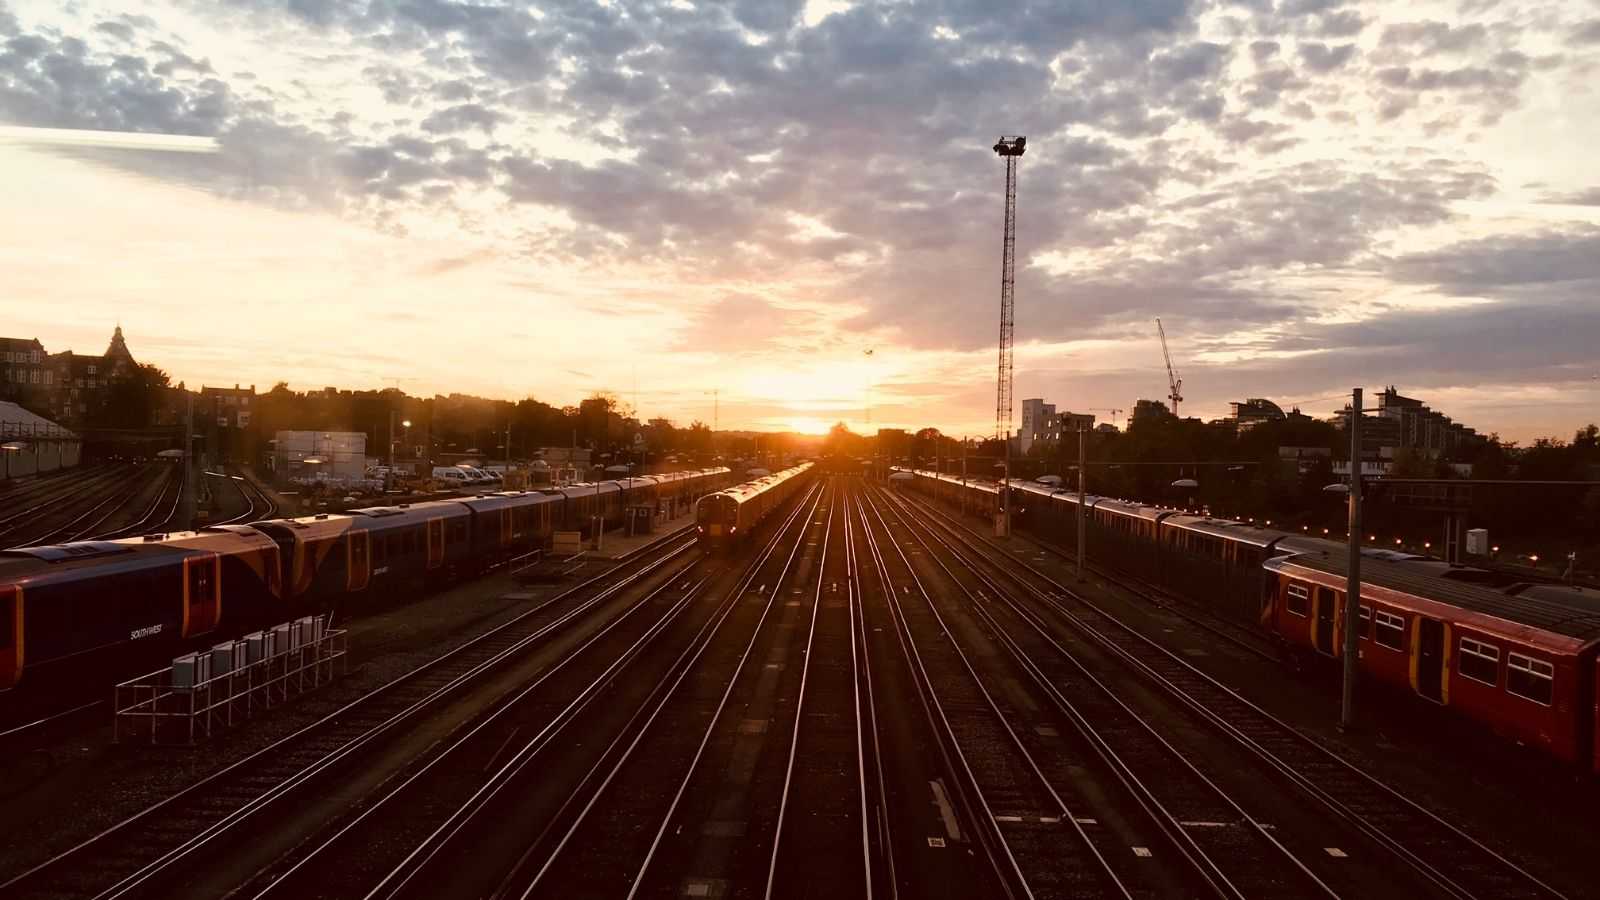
664 199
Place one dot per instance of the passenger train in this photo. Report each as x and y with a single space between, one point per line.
727 517
1523 659
106 606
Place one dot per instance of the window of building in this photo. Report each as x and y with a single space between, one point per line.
34 357
49 377
35 374
1479 661
1531 678
94 370
1391 631
1298 599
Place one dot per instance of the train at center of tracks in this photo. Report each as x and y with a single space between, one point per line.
1521 658
93 609
728 517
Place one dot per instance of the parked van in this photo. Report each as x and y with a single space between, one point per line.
453 477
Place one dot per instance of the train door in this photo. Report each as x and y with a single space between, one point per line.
1326 601
435 543
358 556
10 636
202 594
1430 658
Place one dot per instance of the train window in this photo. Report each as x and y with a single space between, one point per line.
1391 630
1366 623
1479 661
1533 679
1298 599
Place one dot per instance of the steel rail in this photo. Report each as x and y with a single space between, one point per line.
1168 822
836 507
61 491
645 716
1287 736
1007 869
519 760
73 855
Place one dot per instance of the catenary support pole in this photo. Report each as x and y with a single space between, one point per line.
1352 587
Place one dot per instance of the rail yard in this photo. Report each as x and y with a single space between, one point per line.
811 685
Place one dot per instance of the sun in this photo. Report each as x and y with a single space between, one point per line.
809 425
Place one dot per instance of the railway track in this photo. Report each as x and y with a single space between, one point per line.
584 839
833 773
142 854
59 497
1228 851
257 505
1442 857
158 515
83 521
1026 819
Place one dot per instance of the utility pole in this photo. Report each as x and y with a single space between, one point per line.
1003 526
188 464
1082 517
1352 584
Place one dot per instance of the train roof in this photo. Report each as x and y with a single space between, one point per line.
411 512
315 526
1485 608
1226 529
590 488
742 492
1571 596
505 500
1135 510
136 552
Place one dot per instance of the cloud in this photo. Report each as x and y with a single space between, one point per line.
1586 197
1585 35
1319 57
1215 167
1541 259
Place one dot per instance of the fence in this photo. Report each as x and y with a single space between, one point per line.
206 692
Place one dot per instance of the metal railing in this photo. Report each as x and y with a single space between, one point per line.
206 692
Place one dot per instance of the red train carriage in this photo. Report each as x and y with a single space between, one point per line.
1525 667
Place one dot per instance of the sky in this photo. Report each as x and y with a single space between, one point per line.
790 212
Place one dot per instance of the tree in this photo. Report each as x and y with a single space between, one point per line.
132 401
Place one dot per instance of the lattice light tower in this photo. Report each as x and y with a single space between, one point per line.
1010 148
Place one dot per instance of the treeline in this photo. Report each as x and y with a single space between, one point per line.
1244 475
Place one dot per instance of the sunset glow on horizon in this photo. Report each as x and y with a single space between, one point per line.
651 201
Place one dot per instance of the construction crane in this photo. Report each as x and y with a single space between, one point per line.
1173 381
1010 148
1114 410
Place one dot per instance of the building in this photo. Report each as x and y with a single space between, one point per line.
30 443
82 382
1036 418
320 455
1405 422
1042 424
1148 412
1247 414
25 374
228 407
